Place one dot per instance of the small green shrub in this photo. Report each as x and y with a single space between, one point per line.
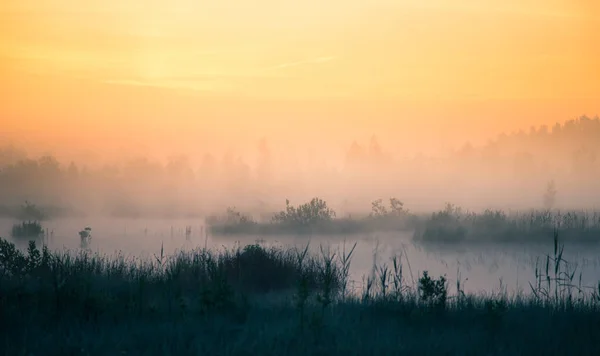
433 292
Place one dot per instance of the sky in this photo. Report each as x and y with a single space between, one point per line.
110 78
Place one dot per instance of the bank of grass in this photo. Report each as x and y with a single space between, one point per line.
449 225
453 225
314 217
277 301
337 226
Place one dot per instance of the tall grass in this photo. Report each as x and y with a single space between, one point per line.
277 301
454 225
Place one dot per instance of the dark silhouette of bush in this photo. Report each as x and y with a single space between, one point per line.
27 229
258 269
433 292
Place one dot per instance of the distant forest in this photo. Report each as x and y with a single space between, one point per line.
512 168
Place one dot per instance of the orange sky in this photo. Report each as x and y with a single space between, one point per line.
105 74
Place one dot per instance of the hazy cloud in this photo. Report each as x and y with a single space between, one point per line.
304 62
212 81
189 85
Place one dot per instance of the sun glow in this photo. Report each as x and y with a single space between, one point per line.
385 64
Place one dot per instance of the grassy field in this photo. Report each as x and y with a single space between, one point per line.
277 301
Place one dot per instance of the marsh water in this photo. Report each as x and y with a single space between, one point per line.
481 267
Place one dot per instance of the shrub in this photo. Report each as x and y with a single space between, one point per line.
231 217
27 229
445 225
378 210
305 215
15 263
233 221
433 292
259 269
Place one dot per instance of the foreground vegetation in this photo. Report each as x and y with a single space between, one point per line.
258 300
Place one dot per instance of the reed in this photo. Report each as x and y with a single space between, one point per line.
277 301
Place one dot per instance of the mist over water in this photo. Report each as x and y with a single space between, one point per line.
510 171
481 267
138 206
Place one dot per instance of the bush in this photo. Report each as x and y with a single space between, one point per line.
433 292
445 225
378 210
16 264
258 269
232 222
315 217
27 229
231 217
305 215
